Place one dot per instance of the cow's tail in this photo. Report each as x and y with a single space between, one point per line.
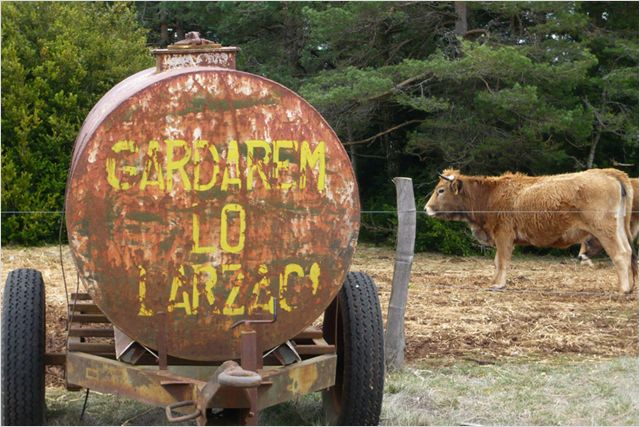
626 202
634 225
626 207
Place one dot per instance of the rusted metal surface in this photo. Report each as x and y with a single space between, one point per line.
84 308
75 331
181 418
98 373
55 358
167 59
311 332
297 380
161 342
314 349
195 52
214 196
90 318
249 360
192 40
163 388
89 347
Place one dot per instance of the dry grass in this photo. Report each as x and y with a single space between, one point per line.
469 348
553 306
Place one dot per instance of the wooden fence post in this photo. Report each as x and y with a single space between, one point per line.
394 334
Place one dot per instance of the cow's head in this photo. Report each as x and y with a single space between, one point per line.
447 200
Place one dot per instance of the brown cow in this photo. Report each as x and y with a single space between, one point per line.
546 211
592 247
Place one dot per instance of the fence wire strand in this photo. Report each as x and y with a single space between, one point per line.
374 212
419 211
30 212
64 276
532 291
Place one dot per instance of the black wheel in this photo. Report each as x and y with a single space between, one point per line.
353 322
23 347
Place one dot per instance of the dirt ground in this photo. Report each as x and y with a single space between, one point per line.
552 306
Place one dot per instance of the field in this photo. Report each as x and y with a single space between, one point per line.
559 346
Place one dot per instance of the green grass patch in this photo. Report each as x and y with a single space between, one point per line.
552 392
560 392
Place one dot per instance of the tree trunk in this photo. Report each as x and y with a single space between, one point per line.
393 156
592 150
354 159
394 335
461 21
393 148
179 32
164 34
164 26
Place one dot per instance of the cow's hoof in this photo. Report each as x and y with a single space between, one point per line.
498 288
586 262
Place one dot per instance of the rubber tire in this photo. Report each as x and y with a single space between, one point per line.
356 398
23 348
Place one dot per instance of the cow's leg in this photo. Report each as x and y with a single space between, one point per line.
619 251
504 249
614 239
582 255
588 248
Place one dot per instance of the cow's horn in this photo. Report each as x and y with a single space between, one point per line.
446 177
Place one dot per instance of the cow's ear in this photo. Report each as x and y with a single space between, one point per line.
456 185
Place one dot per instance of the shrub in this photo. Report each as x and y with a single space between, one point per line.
58 59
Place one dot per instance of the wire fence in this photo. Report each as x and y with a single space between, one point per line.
387 212
535 291
386 231
29 212
378 226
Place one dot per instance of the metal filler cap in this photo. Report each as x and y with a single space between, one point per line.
193 52
201 196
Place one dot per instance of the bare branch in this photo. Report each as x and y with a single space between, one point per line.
364 141
579 163
399 86
486 84
624 165
477 31
370 156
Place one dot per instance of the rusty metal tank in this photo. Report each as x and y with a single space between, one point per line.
200 196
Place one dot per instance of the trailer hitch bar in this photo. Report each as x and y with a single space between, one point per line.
229 374
180 418
238 377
